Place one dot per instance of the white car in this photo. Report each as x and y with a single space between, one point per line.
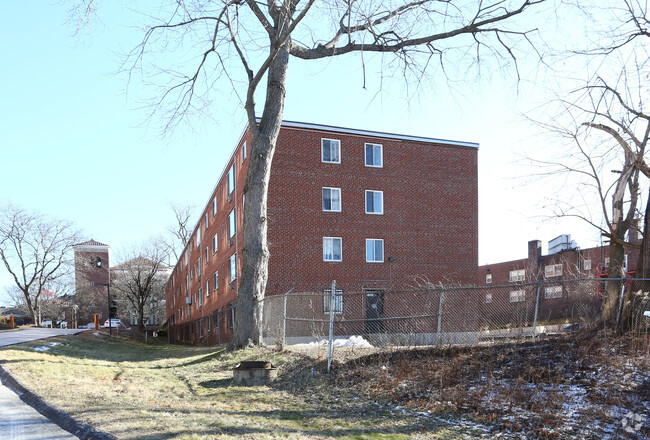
115 323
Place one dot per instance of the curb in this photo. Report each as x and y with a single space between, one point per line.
82 430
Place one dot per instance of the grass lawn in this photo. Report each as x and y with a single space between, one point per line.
158 391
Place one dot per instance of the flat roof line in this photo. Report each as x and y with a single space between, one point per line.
296 124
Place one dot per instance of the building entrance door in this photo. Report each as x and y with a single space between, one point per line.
374 311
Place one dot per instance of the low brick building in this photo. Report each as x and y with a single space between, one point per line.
371 210
561 297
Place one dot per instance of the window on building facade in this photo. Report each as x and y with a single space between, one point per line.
553 270
207 254
231 181
198 238
232 224
586 265
553 292
488 278
607 262
244 153
488 298
517 275
332 199
215 243
374 155
215 280
517 296
207 323
199 268
374 202
332 249
331 150
214 206
200 296
374 250
232 268
207 287
205 221
327 300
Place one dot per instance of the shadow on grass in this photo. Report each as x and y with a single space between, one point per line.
100 347
346 427
219 383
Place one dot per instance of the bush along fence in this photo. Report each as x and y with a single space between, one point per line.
444 315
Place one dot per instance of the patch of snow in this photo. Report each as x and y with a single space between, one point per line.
352 341
41 348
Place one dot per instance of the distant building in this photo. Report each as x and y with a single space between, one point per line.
560 298
370 210
92 262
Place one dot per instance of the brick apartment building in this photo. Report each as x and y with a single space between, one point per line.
560 298
370 210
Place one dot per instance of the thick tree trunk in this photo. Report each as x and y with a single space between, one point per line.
615 270
255 255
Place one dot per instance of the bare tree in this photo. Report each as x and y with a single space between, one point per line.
262 37
608 132
179 233
140 281
35 251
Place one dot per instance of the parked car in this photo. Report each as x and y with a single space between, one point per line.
115 323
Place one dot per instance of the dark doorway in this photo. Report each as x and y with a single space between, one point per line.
374 311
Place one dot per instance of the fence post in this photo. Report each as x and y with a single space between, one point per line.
539 290
620 306
283 339
442 297
331 338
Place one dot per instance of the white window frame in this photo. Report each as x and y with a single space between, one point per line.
373 257
586 264
215 243
488 298
328 249
207 287
205 222
552 270
551 292
232 224
517 296
230 181
373 147
374 194
488 278
244 153
232 268
517 275
331 143
338 301
215 206
331 191
215 280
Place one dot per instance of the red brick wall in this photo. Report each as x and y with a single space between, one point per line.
429 225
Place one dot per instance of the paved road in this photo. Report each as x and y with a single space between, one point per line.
19 421
29 334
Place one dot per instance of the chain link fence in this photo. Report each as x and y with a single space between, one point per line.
442 315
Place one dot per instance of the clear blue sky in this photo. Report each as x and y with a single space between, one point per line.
75 145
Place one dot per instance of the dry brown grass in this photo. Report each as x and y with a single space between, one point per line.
569 386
